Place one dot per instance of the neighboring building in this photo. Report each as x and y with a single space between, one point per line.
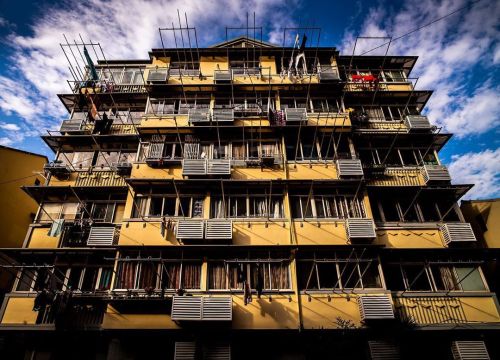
17 210
484 217
215 203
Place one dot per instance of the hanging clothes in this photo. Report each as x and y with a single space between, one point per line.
163 226
56 228
259 285
241 273
90 63
247 293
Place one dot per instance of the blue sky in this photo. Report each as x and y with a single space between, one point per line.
459 58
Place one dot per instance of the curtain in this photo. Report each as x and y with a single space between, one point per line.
191 276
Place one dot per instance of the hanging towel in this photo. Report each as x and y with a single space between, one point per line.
163 227
56 228
90 63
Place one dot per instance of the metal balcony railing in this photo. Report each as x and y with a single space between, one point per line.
99 178
222 115
297 115
75 127
157 76
328 73
57 169
197 116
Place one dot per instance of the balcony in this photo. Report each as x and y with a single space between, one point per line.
435 173
196 308
75 235
375 308
417 122
122 168
105 86
360 228
349 168
394 176
457 233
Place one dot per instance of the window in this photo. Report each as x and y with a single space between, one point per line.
169 205
319 105
123 75
267 275
322 206
138 275
105 159
339 274
77 160
242 206
434 277
54 211
394 75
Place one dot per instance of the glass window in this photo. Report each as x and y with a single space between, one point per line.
470 279
416 278
25 280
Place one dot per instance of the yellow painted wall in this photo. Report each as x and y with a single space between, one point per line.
323 232
19 311
17 209
144 171
319 313
258 234
64 181
312 171
163 121
242 173
39 239
410 238
113 319
145 233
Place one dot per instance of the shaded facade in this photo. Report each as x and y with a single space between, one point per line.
225 205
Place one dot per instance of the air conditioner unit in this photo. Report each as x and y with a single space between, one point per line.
375 308
219 167
457 233
383 350
417 122
101 236
194 167
189 229
156 76
74 127
191 351
469 350
223 76
295 115
197 116
197 308
349 167
435 173
360 228
222 115
218 229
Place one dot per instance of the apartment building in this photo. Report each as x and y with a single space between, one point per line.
249 200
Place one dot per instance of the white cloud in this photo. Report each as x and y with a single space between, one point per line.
481 169
5 141
125 29
10 127
448 51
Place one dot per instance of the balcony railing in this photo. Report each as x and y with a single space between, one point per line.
81 234
57 169
75 127
157 76
105 86
99 178
328 73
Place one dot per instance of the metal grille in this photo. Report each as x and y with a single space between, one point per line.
375 308
101 236
99 178
360 228
190 229
157 75
223 115
457 233
155 150
219 167
219 229
383 350
328 73
436 173
223 76
349 167
417 122
469 350
194 167
73 126
188 351
295 114
198 116
196 308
